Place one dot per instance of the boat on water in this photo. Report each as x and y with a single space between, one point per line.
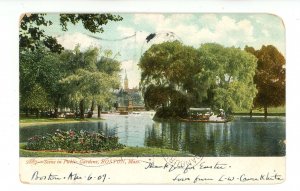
124 112
205 115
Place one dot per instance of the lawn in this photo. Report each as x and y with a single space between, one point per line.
35 121
125 152
272 111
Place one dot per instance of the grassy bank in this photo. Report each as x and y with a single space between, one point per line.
125 152
39 121
259 114
272 111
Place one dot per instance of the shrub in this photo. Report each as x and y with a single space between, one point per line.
74 141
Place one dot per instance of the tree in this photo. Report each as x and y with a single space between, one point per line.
111 67
31 35
166 79
40 72
45 70
36 100
269 77
87 82
176 77
73 79
229 74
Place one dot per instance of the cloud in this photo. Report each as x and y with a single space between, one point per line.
206 28
235 32
269 30
149 18
69 41
179 18
127 65
129 31
125 31
132 48
209 20
266 32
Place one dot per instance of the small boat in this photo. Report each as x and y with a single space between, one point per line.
205 115
123 112
136 113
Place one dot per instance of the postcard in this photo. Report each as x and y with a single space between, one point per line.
154 98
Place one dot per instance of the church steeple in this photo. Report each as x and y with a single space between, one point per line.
125 81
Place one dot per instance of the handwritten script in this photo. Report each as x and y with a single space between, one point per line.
201 166
72 176
177 170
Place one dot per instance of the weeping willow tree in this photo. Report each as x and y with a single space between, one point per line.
167 77
175 77
230 73
89 82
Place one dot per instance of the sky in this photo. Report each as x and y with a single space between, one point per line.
236 30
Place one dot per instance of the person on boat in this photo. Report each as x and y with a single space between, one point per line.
221 114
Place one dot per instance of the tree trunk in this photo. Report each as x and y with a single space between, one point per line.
251 113
27 112
37 113
99 111
81 109
55 115
91 112
265 111
56 104
76 112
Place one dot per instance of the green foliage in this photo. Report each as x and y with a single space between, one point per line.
176 77
90 79
39 74
167 75
37 98
73 141
91 22
269 77
31 36
156 96
228 73
164 64
108 65
71 79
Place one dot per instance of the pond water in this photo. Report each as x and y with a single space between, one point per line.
241 137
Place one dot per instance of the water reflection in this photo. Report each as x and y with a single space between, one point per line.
242 137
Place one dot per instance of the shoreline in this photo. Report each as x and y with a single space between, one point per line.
125 152
56 121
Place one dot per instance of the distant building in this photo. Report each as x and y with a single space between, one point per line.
129 99
126 82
